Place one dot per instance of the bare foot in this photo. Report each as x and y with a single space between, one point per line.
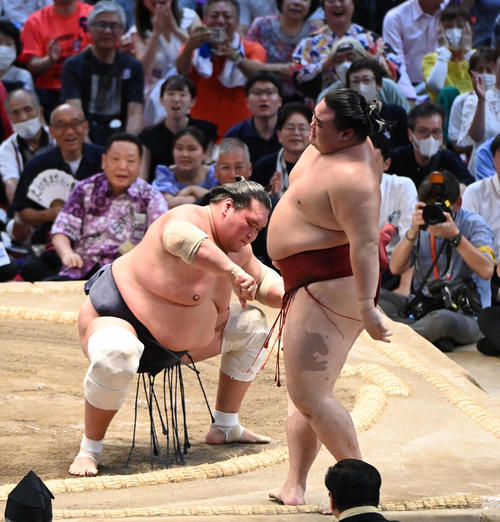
290 496
237 434
83 466
326 509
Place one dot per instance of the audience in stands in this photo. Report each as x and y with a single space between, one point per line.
12 76
280 33
106 83
480 114
50 36
482 64
399 197
107 214
292 129
189 178
365 76
263 91
71 155
314 54
411 29
160 30
177 95
425 153
219 61
448 65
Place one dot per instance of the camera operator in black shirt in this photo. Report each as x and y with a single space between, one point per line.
452 251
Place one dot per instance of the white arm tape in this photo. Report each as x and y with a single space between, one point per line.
183 239
268 277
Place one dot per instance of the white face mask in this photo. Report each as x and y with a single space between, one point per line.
341 71
28 129
454 37
368 91
7 56
489 80
428 146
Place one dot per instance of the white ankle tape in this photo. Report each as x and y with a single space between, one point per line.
92 446
222 419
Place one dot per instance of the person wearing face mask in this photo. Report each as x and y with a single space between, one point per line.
365 76
425 152
344 52
13 77
481 114
449 64
29 138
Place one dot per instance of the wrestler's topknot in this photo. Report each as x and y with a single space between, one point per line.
242 193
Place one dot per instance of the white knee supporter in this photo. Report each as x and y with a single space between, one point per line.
244 335
114 354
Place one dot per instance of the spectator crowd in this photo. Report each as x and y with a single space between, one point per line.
114 111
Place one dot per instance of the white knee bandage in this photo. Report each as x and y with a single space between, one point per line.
242 340
114 354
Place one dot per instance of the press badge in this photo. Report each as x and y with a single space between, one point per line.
126 74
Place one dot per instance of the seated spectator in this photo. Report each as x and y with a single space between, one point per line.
71 155
365 76
344 52
480 114
314 55
219 62
8 265
354 490
29 137
453 262
279 34
482 64
371 13
399 197
425 153
263 91
484 12
233 161
13 77
484 165
448 65
189 179
18 12
411 29
107 214
293 131
160 30
177 95
106 83
49 36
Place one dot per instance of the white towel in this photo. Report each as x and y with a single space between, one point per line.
230 76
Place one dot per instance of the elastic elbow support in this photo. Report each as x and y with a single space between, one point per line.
183 239
242 340
268 277
114 354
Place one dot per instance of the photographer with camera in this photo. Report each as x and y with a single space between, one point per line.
452 251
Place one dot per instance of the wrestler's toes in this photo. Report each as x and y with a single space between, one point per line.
83 467
326 510
249 437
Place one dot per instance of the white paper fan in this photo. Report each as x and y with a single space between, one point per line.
49 185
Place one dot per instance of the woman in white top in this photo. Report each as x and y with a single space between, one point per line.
160 31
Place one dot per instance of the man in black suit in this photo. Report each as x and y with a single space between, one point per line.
354 490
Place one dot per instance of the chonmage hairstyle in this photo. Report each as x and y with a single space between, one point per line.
242 192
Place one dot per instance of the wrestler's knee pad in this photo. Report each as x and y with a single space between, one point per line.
245 333
114 354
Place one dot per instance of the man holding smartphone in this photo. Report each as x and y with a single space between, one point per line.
219 63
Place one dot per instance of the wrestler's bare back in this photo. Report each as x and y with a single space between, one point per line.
185 308
304 218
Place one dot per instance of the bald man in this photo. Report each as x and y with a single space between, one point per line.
68 128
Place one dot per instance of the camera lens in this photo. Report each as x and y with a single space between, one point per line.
433 213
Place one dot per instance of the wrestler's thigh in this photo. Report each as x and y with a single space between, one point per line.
316 341
89 323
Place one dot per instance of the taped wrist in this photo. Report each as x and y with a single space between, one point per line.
268 277
242 340
114 354
183 239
